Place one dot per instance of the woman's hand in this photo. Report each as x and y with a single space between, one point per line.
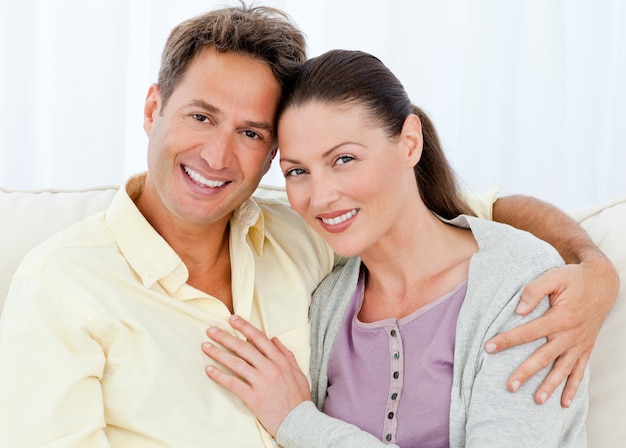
264 373
581 296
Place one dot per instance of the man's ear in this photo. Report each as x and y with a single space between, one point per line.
270 157
412 139
151 108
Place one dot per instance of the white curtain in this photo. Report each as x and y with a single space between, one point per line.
528 95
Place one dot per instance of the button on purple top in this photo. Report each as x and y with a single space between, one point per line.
393 378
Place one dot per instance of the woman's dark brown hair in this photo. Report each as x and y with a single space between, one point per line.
344 77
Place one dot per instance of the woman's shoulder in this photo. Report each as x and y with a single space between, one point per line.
342 275
509 244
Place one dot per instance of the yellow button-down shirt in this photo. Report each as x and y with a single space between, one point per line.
100 334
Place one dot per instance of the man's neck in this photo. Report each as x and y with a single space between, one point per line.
204 249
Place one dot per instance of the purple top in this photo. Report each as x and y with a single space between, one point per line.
369 364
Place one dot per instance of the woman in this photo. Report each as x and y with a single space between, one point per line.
398 333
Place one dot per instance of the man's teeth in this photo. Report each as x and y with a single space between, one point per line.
338 219
197 178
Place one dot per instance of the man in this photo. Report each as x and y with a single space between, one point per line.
101 331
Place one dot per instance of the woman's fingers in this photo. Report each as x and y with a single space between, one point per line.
263 372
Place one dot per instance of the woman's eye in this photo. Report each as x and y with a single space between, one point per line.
341 160
294 172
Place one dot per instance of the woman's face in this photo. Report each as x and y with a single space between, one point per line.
344 176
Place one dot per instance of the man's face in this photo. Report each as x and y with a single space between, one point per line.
213 140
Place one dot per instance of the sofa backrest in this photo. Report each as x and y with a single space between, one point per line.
26 218
29 217
606 422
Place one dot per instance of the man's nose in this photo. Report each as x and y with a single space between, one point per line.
218 151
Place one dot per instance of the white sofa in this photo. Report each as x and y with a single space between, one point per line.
29 217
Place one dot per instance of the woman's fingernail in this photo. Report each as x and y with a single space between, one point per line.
234 317
491 347
521 308
515 385
543 396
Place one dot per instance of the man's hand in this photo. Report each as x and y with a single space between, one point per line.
581 296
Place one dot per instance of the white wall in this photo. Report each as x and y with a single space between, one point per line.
527 95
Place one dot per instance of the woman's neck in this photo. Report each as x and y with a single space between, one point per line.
421 261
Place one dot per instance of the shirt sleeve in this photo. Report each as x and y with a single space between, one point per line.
482 203
50 371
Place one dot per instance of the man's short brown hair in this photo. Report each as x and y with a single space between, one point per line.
261 32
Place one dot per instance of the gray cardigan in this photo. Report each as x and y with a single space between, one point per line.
483 412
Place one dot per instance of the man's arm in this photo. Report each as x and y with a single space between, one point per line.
50 366
581 293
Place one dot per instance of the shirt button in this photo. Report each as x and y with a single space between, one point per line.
390 415
394 396
388 437
396 355
393 333
396 375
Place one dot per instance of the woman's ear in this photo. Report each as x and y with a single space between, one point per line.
411 137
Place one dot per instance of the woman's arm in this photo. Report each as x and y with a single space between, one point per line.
581 294
266 376
495 417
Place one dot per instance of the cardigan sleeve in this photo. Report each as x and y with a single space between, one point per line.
307 427
494 414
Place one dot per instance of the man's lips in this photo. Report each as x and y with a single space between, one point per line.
198 179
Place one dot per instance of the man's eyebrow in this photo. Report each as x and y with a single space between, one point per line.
261 125
206 106
269 127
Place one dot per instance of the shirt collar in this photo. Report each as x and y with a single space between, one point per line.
250 221
150 256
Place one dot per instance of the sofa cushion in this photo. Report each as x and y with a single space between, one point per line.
606 224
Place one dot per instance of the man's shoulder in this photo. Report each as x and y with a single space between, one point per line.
284 225
271 194
277 214
284 228
87 234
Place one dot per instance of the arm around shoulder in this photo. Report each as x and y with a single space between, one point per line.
581 294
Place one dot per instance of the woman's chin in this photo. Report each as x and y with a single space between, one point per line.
344 251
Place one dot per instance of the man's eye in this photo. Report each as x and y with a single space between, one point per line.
251 134
200 117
